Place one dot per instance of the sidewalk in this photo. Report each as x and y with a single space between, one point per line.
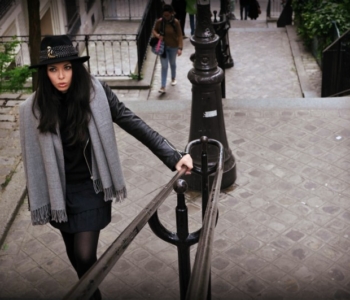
284 227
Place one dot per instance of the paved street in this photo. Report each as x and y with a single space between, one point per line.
284 227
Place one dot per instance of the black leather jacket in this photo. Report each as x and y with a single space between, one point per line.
135 126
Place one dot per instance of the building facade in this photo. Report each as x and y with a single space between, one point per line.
56 16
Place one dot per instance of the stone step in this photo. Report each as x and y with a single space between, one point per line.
156 106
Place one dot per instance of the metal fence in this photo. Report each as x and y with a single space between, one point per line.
112 55
152 12
336 68
123 9
22 50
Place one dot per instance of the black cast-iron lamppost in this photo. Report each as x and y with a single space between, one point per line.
207 117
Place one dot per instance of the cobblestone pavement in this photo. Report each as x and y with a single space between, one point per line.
283 231
284 227
263 66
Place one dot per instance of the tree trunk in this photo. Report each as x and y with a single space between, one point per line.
34 36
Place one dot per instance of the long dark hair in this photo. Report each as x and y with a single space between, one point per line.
48 100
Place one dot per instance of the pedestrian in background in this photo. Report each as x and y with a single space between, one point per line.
69 150
244 8
179 7
254 9
191 9
168 29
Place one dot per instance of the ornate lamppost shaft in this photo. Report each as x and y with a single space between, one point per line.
207 117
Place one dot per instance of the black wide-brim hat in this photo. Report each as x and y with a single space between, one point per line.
58 48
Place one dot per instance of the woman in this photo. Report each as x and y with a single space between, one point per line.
254 9
69 150
168 29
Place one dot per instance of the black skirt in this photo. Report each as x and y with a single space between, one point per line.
86 210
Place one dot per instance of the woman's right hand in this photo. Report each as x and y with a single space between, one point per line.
186 161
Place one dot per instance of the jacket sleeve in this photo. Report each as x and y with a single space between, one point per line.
135 126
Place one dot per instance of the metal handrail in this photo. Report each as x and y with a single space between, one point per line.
338 40
193 287
87 285
335 31
199 282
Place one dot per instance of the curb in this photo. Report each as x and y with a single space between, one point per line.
301 73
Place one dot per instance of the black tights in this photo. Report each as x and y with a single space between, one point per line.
81 249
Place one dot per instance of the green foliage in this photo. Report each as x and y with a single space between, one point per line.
316 19
135 76
12 78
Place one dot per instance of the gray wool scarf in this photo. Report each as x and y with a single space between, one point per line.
43 160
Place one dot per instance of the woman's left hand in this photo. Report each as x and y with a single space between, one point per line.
186 161
179 52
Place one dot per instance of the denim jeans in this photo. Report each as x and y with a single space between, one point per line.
171 54
192 23
246 11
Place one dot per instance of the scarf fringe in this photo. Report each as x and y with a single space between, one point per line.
59 216
110 192
43 215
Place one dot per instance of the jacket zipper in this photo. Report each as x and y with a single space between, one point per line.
172 147
87 142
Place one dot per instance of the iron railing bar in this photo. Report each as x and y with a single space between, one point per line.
337 41
339 94
86 286
198 286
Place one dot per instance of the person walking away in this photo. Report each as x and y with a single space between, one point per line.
69 150
244 7
179 7
168 29
254 9
191 9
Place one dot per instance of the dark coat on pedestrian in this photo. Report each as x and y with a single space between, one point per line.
244 2
254 9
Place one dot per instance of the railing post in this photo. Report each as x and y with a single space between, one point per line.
184 260
87 50
205 189
205 176
182 239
